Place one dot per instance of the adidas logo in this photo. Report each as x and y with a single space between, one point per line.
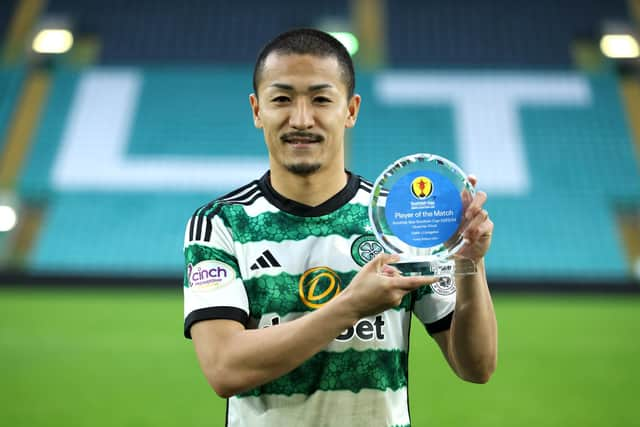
265 260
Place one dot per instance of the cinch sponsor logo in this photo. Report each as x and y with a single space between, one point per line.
209 275
318 286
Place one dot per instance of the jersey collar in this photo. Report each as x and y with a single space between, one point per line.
300 209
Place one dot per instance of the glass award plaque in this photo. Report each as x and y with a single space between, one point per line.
417 211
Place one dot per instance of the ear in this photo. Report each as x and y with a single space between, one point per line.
352 111
255 109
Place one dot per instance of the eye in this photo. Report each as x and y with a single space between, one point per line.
280 99
321 99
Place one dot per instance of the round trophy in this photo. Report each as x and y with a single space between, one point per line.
417 211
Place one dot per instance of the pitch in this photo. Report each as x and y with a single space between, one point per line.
118 358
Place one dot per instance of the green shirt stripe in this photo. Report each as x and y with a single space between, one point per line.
349 370
280 294
281 226
422 292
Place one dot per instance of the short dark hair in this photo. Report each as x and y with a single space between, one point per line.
308 41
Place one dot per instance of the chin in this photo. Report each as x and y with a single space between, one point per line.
304 169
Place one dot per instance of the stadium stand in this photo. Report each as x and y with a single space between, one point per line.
547 231
34 184
190 31
115 234
580 157
6 11
566 147
181 112
10 80
492 33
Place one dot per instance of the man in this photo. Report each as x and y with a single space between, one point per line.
291 319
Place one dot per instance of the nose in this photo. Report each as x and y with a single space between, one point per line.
302 115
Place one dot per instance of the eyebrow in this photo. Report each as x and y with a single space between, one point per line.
312 88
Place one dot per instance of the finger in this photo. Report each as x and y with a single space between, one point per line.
476 220
389 270
472 179
385 258
380 260
486 228
410 283
467 202
467 198
479 200
478 227
476 205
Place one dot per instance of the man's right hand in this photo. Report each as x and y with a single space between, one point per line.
380 286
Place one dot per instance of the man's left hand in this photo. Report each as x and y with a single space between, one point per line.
479 226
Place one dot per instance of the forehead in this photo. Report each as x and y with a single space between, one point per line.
301 71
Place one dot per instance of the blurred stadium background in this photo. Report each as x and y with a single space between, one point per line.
107 147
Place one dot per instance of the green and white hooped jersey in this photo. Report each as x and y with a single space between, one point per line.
257 258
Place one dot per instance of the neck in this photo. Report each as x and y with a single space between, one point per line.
311 190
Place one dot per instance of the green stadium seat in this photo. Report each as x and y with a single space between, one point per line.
580 159
11 79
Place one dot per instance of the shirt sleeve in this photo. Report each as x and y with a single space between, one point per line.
213 286
434 304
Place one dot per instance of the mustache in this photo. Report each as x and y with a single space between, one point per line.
312 137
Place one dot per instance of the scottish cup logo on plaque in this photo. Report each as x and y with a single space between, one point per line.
417 211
